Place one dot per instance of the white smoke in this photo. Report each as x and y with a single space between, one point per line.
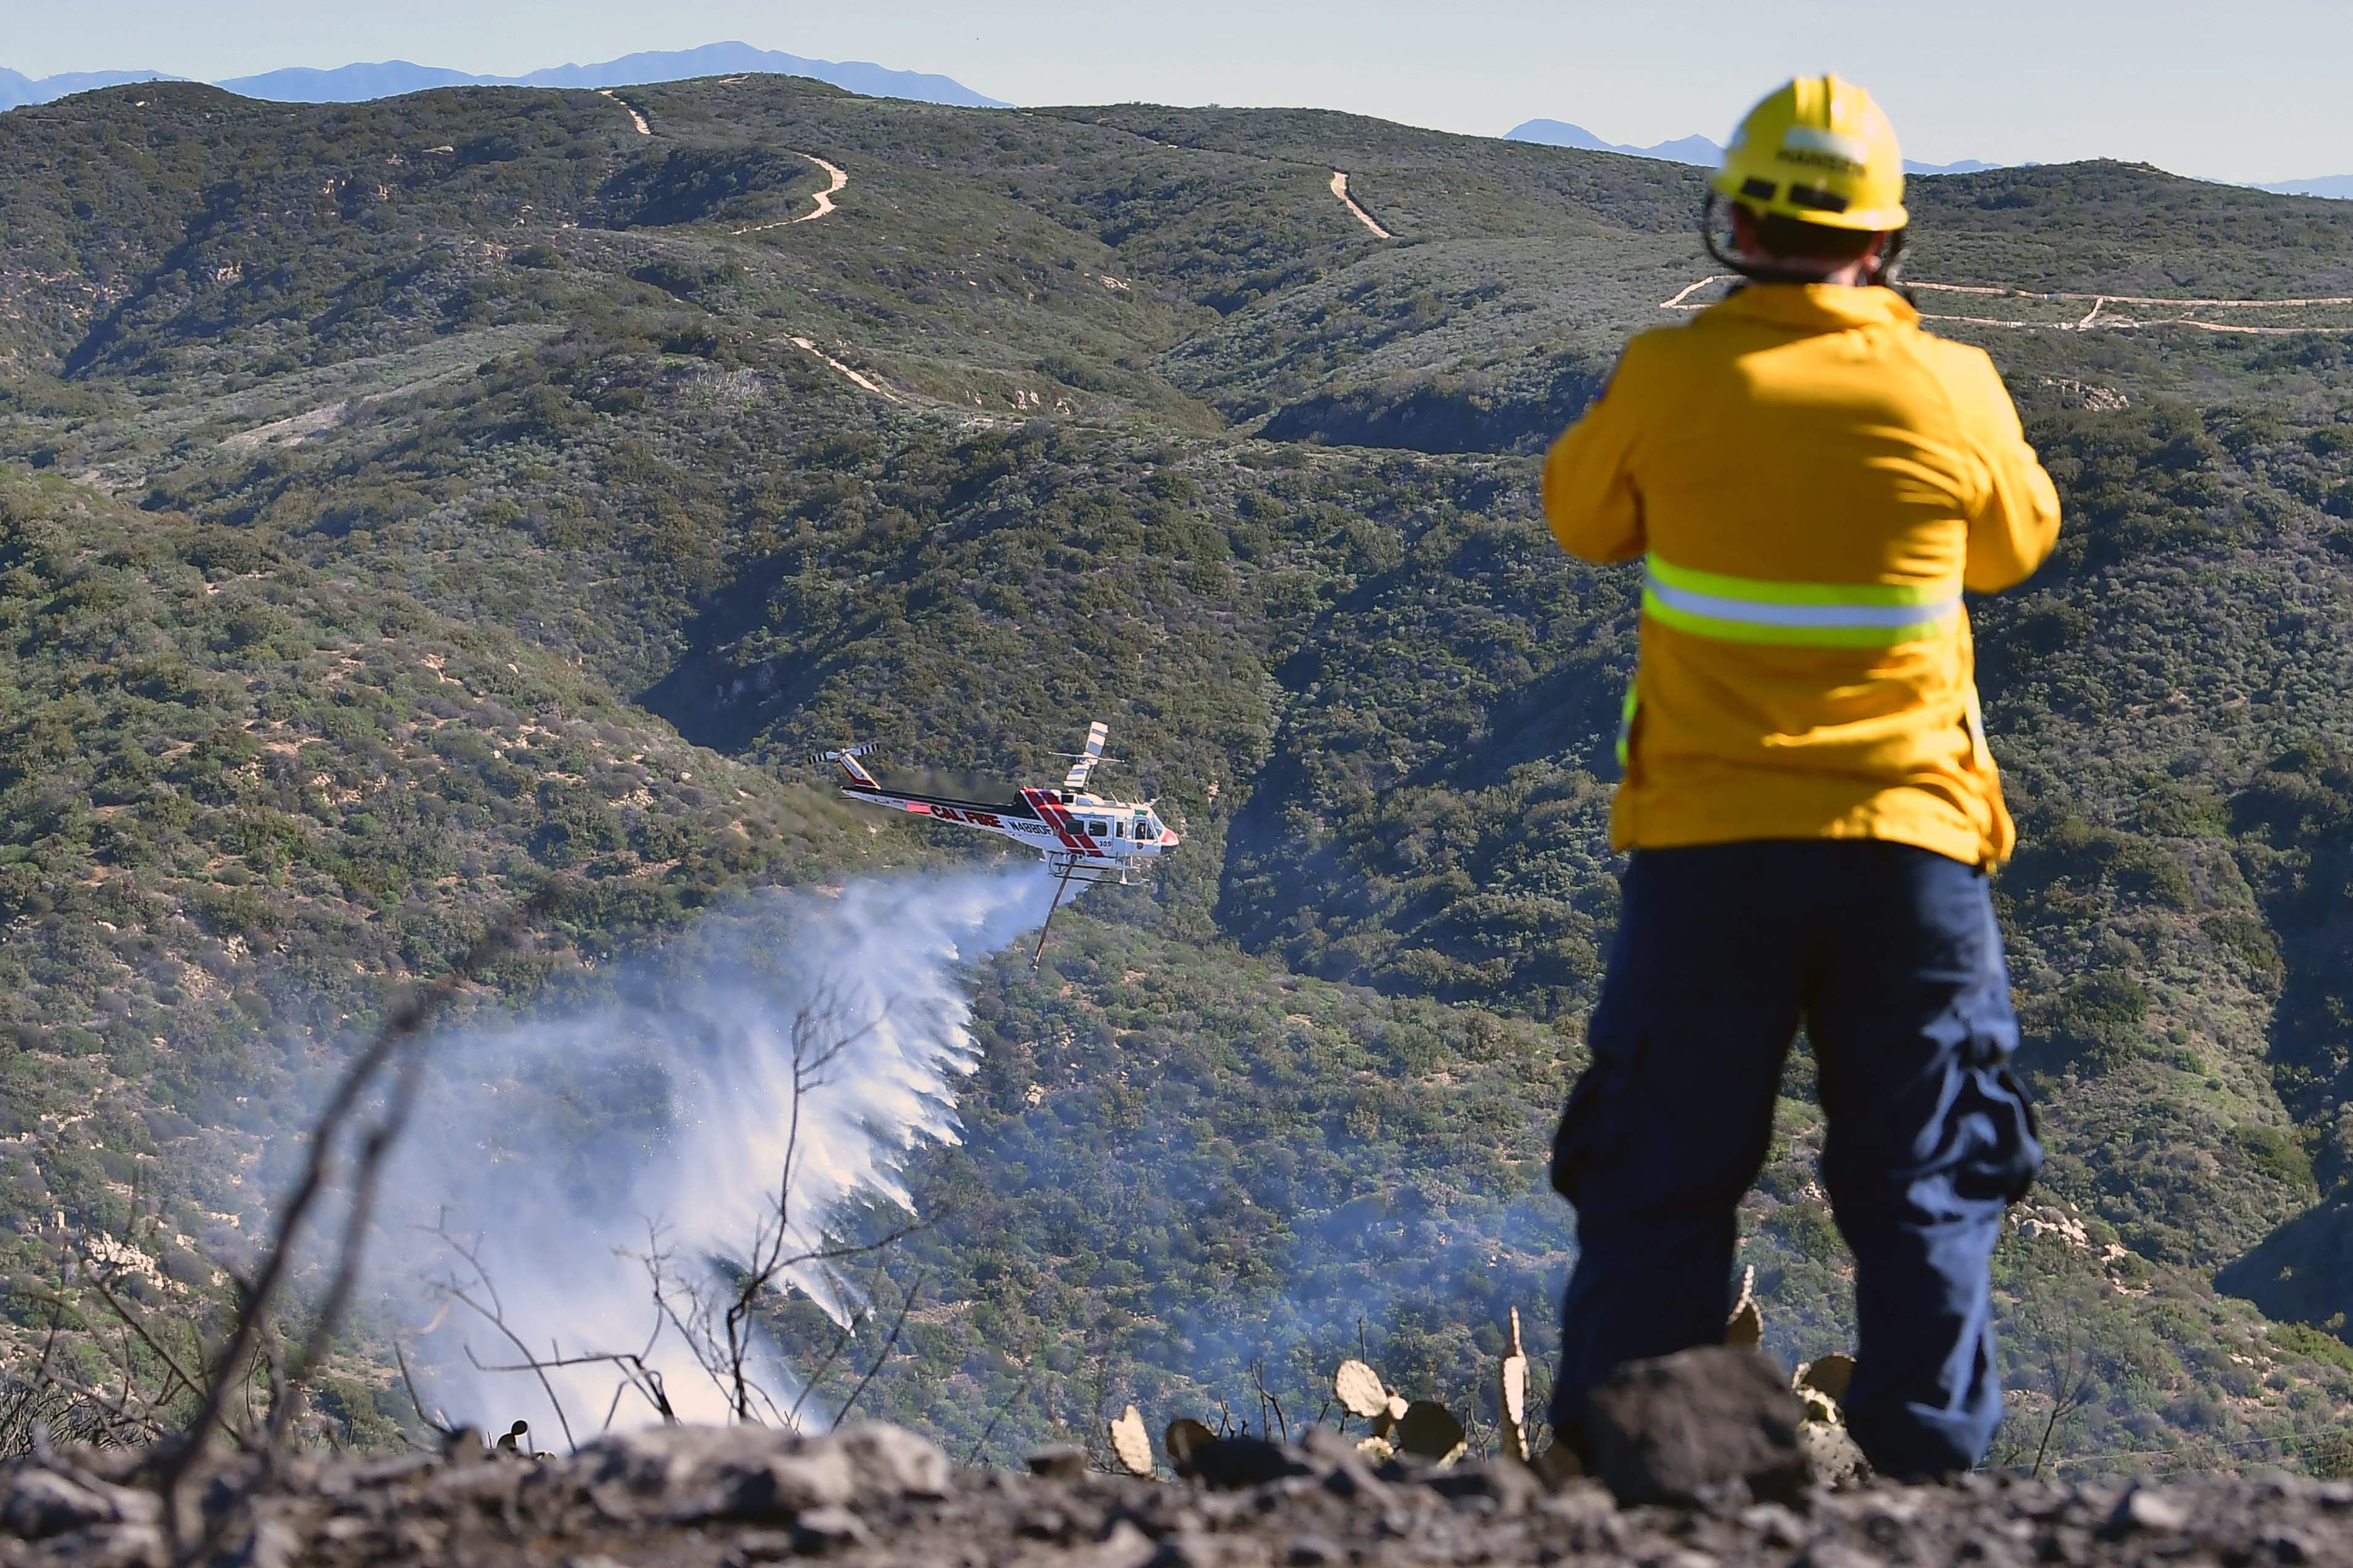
662 1104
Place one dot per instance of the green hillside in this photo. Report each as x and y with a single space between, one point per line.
409 501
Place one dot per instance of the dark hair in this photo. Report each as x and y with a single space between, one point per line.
1798 240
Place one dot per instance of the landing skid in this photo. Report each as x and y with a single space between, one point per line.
1085 876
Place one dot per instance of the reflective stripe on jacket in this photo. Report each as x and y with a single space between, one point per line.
1811 480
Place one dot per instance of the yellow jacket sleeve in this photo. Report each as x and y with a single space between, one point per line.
2016 519
1589 497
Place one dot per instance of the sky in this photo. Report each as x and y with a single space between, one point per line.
2250 91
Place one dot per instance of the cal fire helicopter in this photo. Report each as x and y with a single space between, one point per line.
1084 838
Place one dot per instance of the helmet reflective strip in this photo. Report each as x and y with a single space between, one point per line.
1806 615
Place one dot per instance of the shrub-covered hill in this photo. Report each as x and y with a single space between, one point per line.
1121 412
240 800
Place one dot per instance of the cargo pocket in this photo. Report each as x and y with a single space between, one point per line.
1588 1123
2005 1165
2026 1137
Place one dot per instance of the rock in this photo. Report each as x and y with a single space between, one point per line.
783 1487
1046 1524
1775 1523
753 1473
1578 1500
1345 1470
275 1544
1125 1547
1512 1485
2288 1547
1230 1464
1061 1462
1683 1557
41 1504
660 1459
1185 1551
1835 1554
892 1460
1989 1549
119 1546
1684 1428
1832 1458
1313 1552
2146 1508
827 1527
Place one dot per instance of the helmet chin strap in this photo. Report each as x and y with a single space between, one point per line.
1882 276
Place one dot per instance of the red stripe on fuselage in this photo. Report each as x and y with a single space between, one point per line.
1060 819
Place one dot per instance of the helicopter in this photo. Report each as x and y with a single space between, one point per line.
1083 837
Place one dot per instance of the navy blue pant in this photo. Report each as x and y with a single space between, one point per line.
1890 957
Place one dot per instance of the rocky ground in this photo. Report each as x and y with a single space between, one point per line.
1709 1457
877 1495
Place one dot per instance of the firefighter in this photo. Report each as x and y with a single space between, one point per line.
1810 481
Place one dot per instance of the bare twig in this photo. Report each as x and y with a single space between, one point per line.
400 1357
1028 1376
636 1373
841 1338
403 1026
721 1325
1266 1398
818 1037
887 1346
134 1324
378 1145
494 1314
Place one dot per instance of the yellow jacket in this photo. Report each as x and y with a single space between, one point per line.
1812 481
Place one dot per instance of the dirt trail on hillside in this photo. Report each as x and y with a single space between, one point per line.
824 199
2096 319
2132 299
643 128
874 388
311 422
1340 189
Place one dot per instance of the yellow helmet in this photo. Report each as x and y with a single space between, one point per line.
1820 152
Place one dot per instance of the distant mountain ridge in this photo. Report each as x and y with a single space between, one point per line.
358 83
18 90
1696 150
2338 187
1560 134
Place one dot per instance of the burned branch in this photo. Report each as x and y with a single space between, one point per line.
493 1312
884 1354
401 1036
